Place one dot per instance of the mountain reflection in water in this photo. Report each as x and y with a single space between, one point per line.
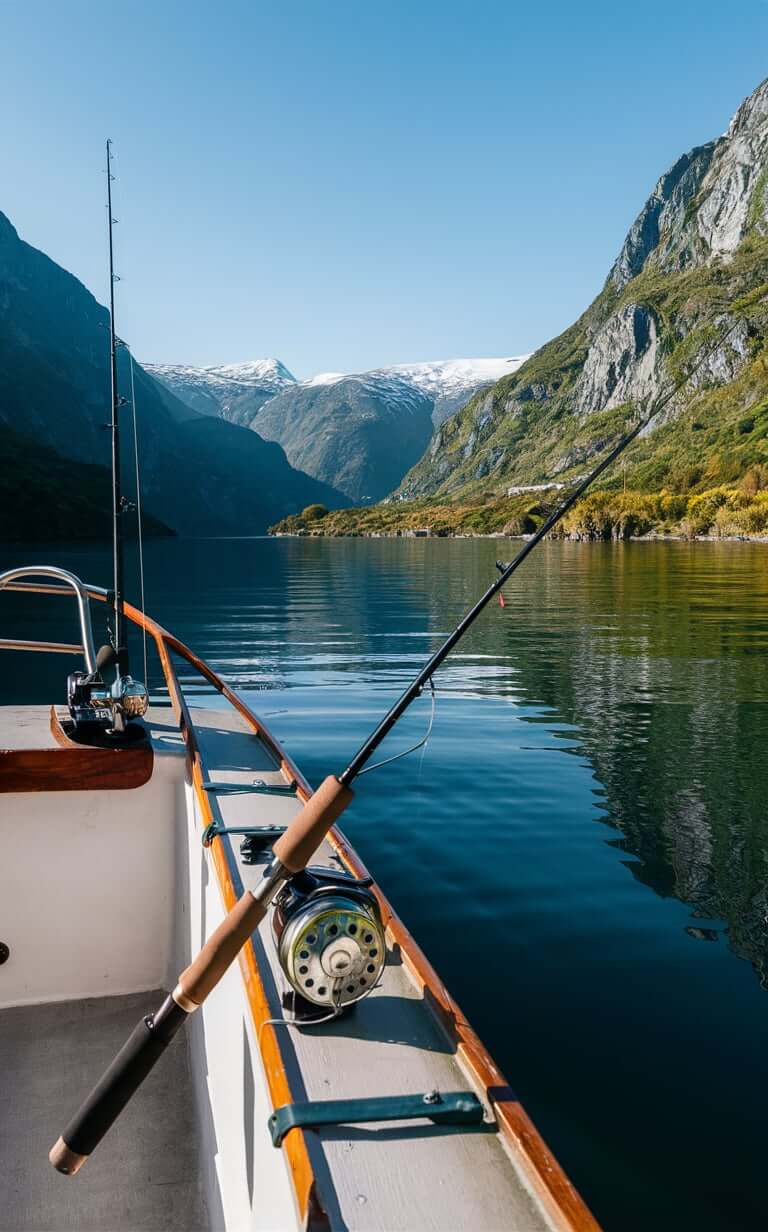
589 812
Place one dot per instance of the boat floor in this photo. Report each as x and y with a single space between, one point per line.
149 1173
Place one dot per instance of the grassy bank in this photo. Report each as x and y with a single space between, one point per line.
723 511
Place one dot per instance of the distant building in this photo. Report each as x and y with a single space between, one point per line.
517 489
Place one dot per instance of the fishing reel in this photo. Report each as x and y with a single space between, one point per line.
110 707
329 937
90 700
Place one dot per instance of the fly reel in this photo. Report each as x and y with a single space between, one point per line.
329 937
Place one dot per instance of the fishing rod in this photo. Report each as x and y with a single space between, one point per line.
120 648
290 856
92 703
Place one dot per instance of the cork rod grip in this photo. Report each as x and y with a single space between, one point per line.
296 847
220 950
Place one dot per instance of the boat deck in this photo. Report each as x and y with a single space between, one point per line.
148 1176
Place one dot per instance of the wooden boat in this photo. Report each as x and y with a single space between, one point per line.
118 861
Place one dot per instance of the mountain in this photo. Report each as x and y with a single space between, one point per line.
36 483
452 382
448 383
233 391
359 432
694 263
200 475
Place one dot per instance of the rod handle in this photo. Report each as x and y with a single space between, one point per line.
296 847
139 1054
220 950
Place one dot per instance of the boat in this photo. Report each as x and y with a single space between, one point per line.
326 1078
119 860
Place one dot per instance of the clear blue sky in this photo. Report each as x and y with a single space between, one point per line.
345 185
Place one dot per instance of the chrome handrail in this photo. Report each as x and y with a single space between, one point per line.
81 594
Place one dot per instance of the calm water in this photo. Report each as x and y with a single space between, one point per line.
581 850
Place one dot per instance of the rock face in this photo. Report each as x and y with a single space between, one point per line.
663 217
200 475
705 205
622 363
692 265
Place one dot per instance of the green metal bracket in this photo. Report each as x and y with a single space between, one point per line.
259 832
257 787
453 1108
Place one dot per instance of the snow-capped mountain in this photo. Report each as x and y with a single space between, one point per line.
449 383
358 431
217 389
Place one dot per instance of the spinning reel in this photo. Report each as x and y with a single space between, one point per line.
329 936
110 707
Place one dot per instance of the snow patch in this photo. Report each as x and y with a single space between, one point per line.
325 378
452 375
269 374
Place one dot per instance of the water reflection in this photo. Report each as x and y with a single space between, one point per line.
582 847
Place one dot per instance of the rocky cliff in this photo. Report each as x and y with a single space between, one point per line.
694 262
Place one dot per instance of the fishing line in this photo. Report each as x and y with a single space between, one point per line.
117 196
304 1022
138 515
386 761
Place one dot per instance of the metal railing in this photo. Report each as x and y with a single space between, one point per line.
10 580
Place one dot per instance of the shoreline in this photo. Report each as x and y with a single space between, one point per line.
651 537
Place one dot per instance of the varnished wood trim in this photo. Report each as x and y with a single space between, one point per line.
74 767
80 769
57 731
294 1145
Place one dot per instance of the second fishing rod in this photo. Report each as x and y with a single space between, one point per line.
290 856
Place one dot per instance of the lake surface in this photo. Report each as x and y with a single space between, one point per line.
582 847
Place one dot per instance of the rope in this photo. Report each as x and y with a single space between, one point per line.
406 752
138 515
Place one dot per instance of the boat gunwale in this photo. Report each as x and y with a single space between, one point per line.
563 1204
